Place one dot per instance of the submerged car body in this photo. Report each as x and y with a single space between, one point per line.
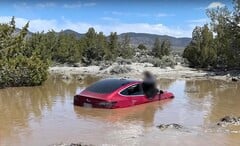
116 93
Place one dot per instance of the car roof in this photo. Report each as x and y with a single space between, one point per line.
120 80
109 85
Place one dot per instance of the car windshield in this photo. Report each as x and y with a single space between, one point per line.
107 86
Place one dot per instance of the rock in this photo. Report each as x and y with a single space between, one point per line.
80 78
235 79
147 64
162 126
229 120
122 61
176 126
72 144
66 77
120 69
211 74
79 144
226 119
115 64
77 65
171 126
103 67
228 75
67 65
168 68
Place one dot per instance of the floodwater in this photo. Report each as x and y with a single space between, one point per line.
45 115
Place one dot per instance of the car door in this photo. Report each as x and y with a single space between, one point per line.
135 94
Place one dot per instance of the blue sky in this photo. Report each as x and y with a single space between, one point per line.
166 17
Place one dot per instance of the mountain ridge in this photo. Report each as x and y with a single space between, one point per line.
143 38
137 38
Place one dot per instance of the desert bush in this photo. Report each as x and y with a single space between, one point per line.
166 61
23 71
20 64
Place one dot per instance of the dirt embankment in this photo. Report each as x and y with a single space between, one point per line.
135 70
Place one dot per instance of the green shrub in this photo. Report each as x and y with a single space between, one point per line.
166 61
19 63
23 71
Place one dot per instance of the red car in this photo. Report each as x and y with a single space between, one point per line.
116 93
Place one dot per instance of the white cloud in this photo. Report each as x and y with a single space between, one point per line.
202 20
44 5
35 24
148 28
25 5
117 13
128 14
109 19
164 15
215 5
89 4
81 27
197 22
20 5
78 5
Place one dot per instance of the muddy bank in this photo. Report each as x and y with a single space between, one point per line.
135 70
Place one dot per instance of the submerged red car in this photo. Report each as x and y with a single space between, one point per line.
116 93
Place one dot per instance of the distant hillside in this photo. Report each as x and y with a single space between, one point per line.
148 39
137 38
69 31
144 38
17 31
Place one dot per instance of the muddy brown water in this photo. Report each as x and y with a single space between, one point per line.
45 115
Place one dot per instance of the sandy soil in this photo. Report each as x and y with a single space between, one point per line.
136 69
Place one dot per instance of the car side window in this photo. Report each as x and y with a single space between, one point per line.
133 90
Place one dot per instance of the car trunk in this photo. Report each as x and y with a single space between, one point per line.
88 99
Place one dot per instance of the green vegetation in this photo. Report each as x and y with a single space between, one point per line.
25 57
68 48
142 47
20 63
161 49
221 50
201 52
111 49
126 51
